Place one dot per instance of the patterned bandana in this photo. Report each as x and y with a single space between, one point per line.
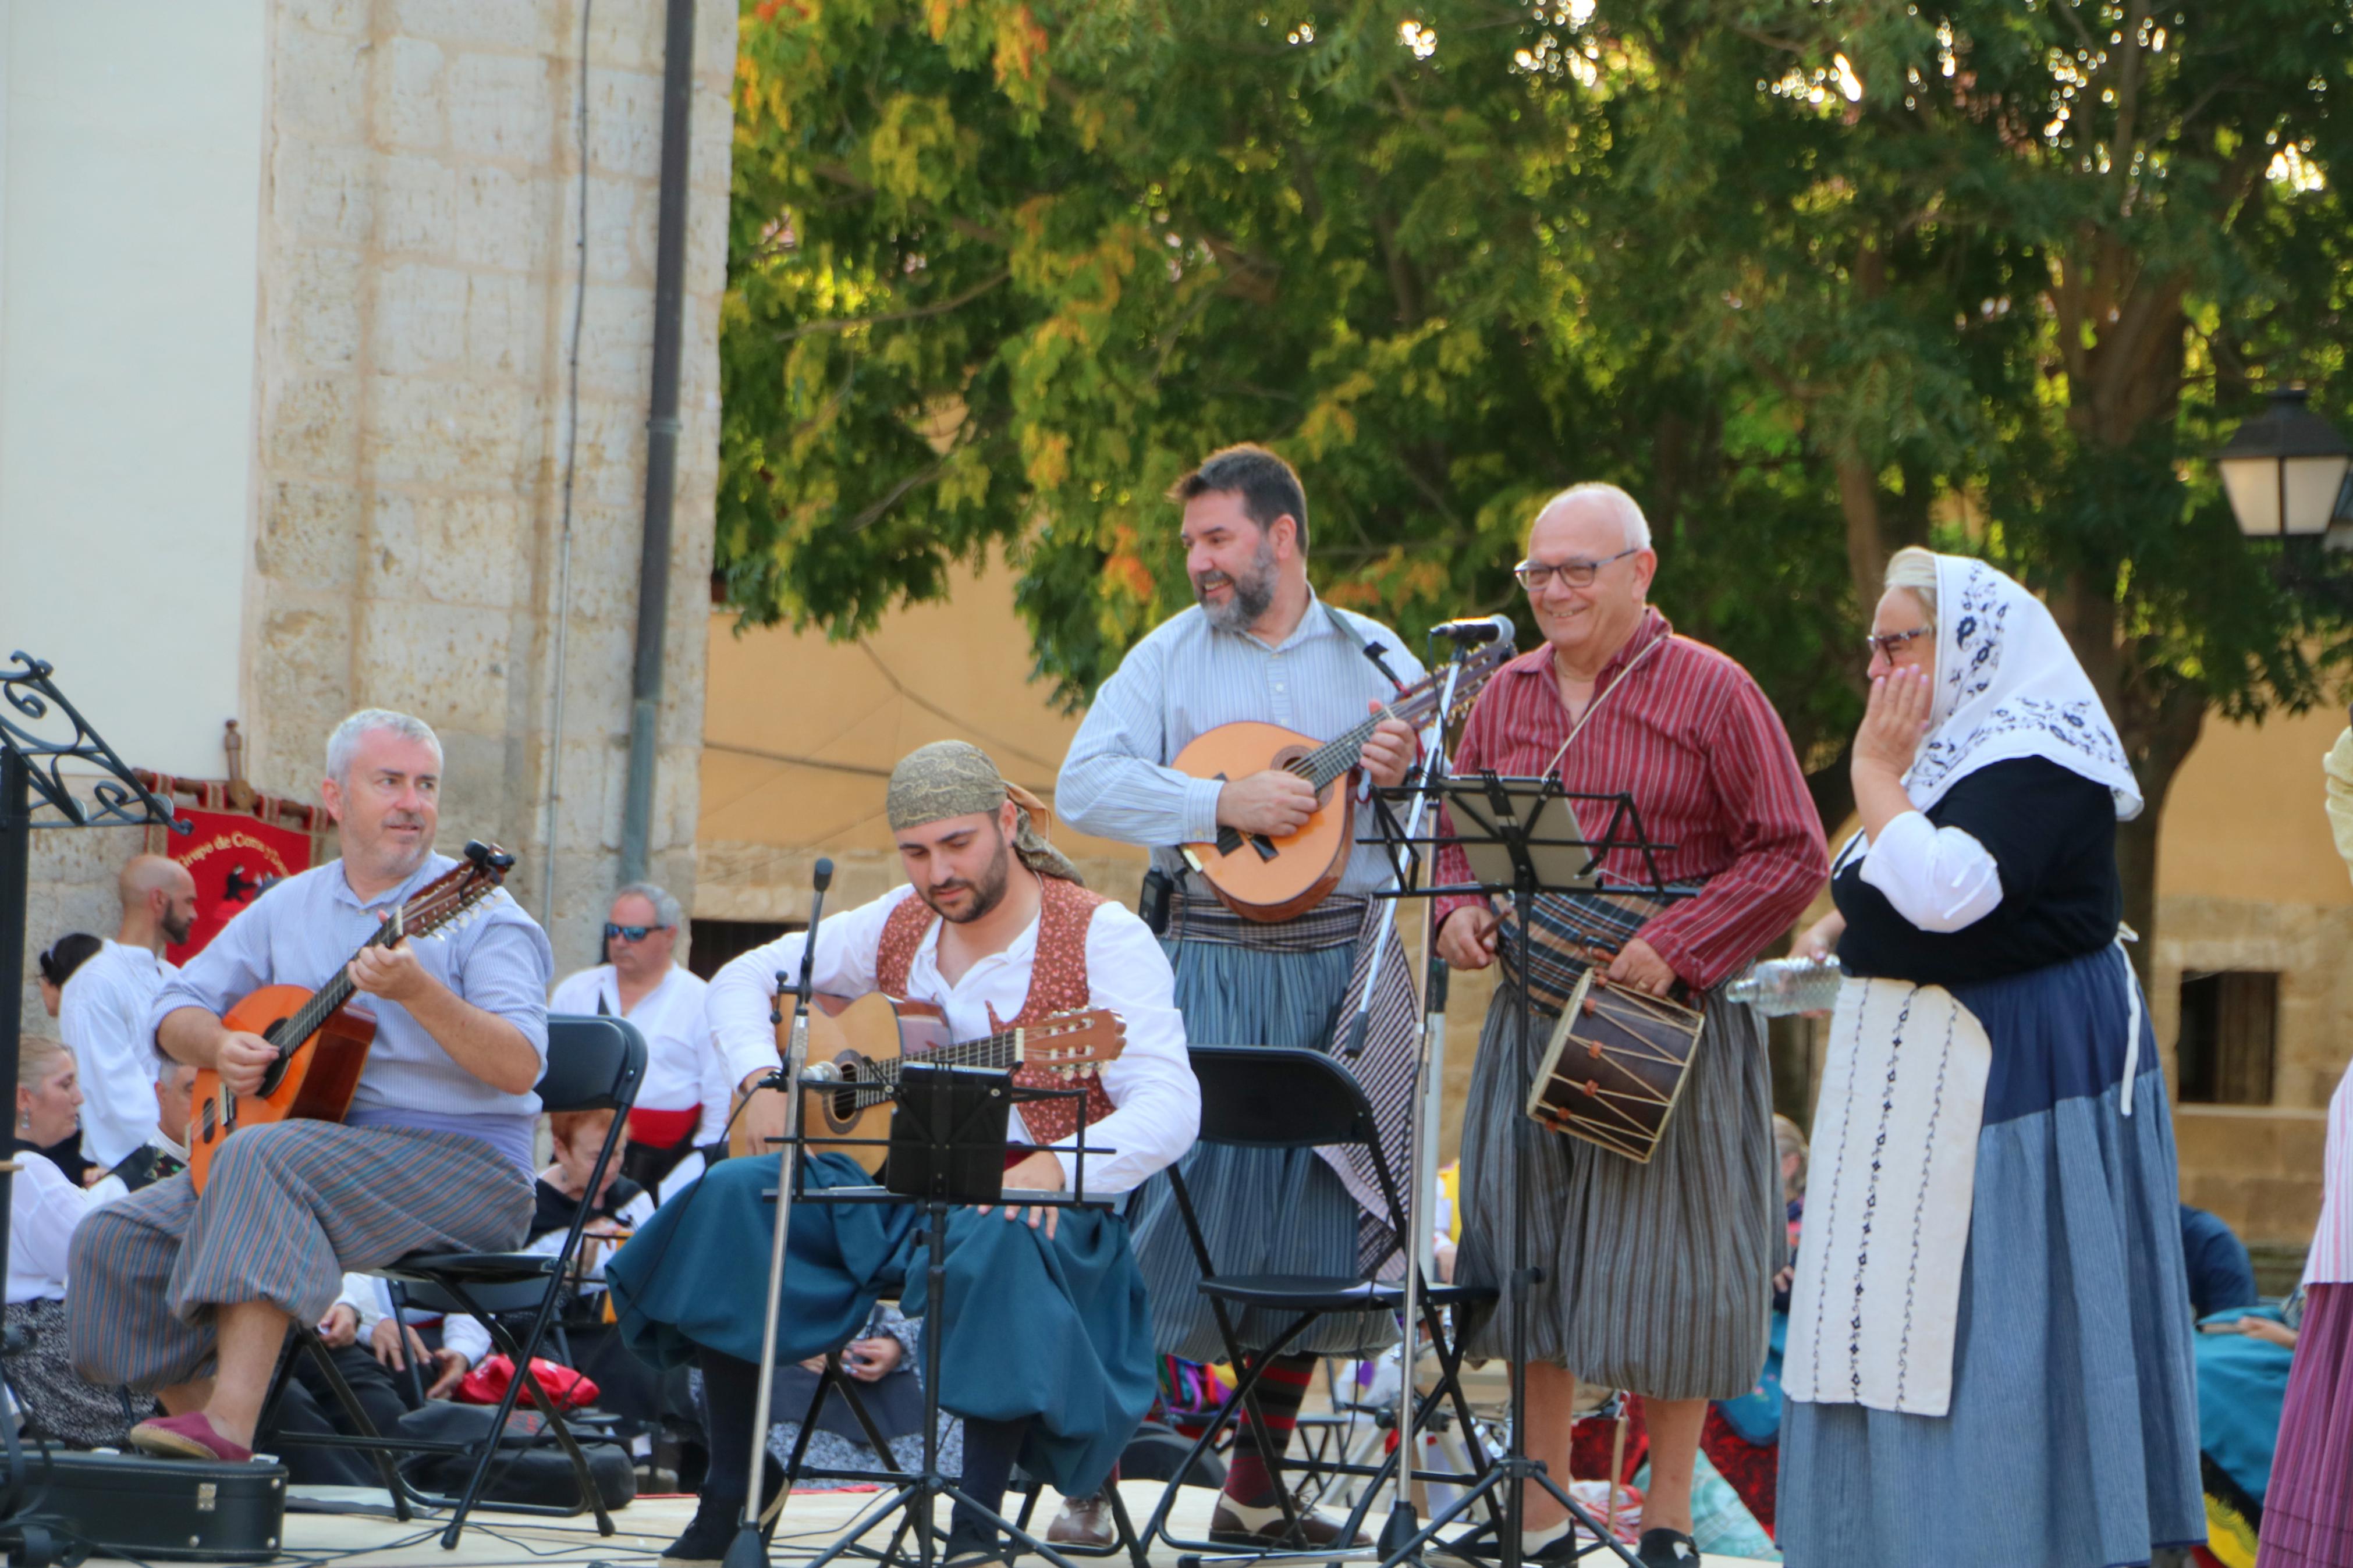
2008 686
956 778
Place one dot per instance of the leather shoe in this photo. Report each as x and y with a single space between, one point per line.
1236 1524
1667 1548
1084 1521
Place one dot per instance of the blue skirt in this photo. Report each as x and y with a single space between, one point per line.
2072 1440
1057 1330
1262 1211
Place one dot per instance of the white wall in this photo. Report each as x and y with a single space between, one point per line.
131 184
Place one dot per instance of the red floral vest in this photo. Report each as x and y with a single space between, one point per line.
1058 984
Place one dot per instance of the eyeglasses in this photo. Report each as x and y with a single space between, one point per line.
1888 642
629 934
1535 575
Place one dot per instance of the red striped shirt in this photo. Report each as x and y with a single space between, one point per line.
1709 766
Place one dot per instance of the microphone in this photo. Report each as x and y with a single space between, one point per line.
1490 628
821 1072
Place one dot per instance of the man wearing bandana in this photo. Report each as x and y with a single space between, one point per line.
1047 1353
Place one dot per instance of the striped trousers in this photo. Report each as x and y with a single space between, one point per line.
290 1207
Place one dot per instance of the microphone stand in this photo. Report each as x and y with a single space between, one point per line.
747 1550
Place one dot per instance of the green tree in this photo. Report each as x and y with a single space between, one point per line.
1811 281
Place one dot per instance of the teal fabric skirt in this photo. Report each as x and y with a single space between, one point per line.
1058 1330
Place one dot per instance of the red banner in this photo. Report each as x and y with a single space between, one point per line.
233 856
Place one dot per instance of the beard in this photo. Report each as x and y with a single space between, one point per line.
1254 590
177 927
987 890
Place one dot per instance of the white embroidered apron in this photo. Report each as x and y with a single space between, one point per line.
1890 1185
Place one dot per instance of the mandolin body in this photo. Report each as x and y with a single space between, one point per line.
316 1081
1270 880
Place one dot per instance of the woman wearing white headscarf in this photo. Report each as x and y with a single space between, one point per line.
1989 1344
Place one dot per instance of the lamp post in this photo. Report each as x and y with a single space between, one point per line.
2286 471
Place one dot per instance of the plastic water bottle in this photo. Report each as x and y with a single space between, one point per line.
1780 986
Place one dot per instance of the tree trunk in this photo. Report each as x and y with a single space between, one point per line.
2158 746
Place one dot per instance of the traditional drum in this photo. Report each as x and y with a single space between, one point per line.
1614 1067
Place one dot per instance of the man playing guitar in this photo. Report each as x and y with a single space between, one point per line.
1046 1346
435 1154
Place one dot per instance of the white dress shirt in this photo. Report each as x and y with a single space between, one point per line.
1157 1101
370 1297
103 1019
44 1207
671 1018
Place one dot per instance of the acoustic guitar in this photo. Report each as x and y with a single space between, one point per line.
1270 880
869 1037
322 1044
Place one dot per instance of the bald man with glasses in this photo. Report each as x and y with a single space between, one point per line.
1656 1278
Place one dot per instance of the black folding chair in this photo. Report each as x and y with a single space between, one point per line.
593 1063
1270 1097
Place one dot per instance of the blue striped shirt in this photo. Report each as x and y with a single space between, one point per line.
1186 678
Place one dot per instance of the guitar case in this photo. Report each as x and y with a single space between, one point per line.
150 1509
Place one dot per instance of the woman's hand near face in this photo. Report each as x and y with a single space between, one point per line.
1894 722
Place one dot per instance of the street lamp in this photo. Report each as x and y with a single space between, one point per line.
2285 471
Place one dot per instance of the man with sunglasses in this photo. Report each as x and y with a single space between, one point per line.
642 981
1656 1278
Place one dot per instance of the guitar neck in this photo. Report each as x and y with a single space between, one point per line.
1337 755
323 1002
1002 1049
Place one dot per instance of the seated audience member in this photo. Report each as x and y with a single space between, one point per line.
44 1208
165 1154
374 1358
642 982
2243 1360
64 956
58 961
102 1012
882 1361
2222 1274
627 1387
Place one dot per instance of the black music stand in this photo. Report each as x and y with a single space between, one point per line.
35 794
946 1149
1523 837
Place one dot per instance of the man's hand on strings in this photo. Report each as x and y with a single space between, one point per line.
1467 940
1389 750
1275 804
1638 967
392 973
1041 1171
242 1061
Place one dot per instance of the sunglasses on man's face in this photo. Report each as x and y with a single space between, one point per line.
629 934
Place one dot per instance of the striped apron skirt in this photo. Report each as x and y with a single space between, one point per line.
1280 1211
290 1209
1658 1278
2071 1439
1057 1330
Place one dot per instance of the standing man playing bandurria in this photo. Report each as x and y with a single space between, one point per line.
1656 1278
1258 646
191 1297
102 1011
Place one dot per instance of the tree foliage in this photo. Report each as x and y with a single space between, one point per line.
1811 281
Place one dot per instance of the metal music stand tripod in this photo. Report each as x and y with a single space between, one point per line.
1522 836
946 1149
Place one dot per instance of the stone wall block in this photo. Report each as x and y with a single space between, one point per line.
322 193
312 426
505 323
415 110
629 34
445 663
348 17
475 801
524 25
447 432
612 451
420 317
419 205
625 122
617 343
616 209
320 83
448 549
301 687
501 107
318 309
501 220
309 535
